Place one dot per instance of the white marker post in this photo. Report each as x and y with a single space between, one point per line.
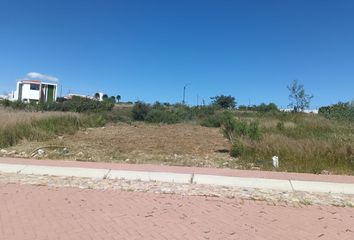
275 161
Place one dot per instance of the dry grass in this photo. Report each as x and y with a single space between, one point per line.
11 117
19 125
307 143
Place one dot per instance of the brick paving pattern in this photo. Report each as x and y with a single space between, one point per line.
39 212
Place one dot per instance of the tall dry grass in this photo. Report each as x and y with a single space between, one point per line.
304 143
10 117
18 125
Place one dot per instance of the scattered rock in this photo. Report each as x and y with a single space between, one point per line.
3 151
40 152
80 154
65 150
12 152
23 154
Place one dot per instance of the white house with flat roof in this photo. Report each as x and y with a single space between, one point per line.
35 91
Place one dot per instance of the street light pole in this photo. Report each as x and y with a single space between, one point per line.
184 93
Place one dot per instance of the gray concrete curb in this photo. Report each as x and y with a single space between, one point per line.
242 182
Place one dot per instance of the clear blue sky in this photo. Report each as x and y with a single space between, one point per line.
148 50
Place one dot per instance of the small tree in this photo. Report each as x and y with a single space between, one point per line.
118 98
113 99
226 102
299 100
105 97
97 96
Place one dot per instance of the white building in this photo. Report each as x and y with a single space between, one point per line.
35 91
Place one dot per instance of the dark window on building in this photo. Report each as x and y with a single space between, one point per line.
34 87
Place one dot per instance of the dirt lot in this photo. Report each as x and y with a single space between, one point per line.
178 144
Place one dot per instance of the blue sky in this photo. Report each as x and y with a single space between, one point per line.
148 50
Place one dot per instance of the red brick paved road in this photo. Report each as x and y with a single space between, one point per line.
38 212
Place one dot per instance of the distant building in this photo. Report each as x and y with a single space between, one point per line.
35 91
314 111
71 95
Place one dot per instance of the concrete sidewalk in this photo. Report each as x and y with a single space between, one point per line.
222 177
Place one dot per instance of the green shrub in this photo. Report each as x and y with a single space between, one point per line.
262 108
5 103
228 125
76 104
280 126
236 149
340 111
214 120
234 128
161 116
140 111
118 115
183 112
254 132
241 128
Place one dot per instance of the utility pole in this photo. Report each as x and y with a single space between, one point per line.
184 93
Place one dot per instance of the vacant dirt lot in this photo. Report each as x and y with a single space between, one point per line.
178 144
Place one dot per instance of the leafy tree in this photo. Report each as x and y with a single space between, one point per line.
299 100
222 101
113 99
271 107
97 96
105 97
118 98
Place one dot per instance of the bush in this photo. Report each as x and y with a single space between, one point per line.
254 132
76 104
140 111
161 116
211 121
183 112
262 108
118 115
339 111
233 128
236 149
241 127
5 103
229 125
280 126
